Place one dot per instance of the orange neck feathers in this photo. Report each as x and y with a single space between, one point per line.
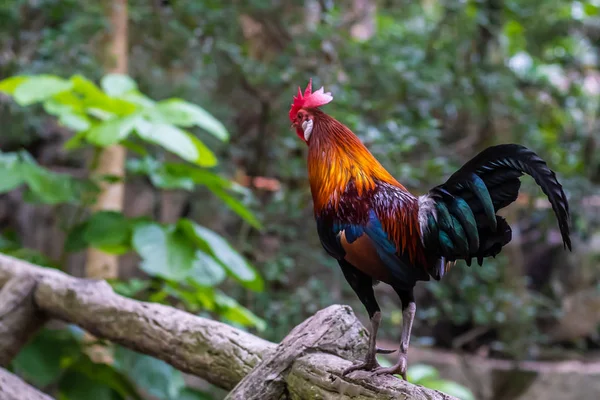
335 157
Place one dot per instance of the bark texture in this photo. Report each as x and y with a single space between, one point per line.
13 388
19 317
306 365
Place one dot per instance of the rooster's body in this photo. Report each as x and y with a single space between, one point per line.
378 231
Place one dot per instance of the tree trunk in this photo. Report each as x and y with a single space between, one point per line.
101 265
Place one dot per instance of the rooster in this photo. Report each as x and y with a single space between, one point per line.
379 232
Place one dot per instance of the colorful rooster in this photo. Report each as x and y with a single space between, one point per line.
378 231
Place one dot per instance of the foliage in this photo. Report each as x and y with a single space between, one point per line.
186 261
429 377
426 375
435 83
61 358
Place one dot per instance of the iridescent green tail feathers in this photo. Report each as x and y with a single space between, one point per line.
458 218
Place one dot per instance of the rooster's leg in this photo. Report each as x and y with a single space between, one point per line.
362 285
409 309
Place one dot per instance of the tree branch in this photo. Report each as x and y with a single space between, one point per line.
306 365
19 317
13 388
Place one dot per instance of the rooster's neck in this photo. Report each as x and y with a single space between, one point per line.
337 157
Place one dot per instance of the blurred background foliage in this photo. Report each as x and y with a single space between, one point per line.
425 84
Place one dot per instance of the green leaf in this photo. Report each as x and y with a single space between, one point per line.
33 256
76 122
199 176
86 87
134 147
112 131
158 174
165 253
76 141
156 377
180 142
132 287
39 88
106 229
98 103
11 175
49 187
116 85
451 388
85 379
591 10
39 362
193 394
236 206
206 271
234 312
182 113
138 98
75 241
419 372
9 85
224 253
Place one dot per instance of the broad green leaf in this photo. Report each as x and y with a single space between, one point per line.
116 249
200 176
40 360
86 87
56 108
49 187
182 113
9 85
591 9
195 297
33 256
116 85
180 142
138 98
134 147
98 103
112 131
193 394
224 253
156 377
206 271
39 88
236 206
165 253
158 174
76 122
234 312
107 229
11 175
131 287
77 386
85 379
60 101
76 141
418 372
75 240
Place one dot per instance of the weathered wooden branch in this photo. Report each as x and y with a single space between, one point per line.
13 388
306 365
19 317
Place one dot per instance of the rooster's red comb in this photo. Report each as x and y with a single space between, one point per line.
309 99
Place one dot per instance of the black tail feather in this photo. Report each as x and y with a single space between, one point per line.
488 183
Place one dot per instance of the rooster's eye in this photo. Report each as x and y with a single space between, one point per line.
299 116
